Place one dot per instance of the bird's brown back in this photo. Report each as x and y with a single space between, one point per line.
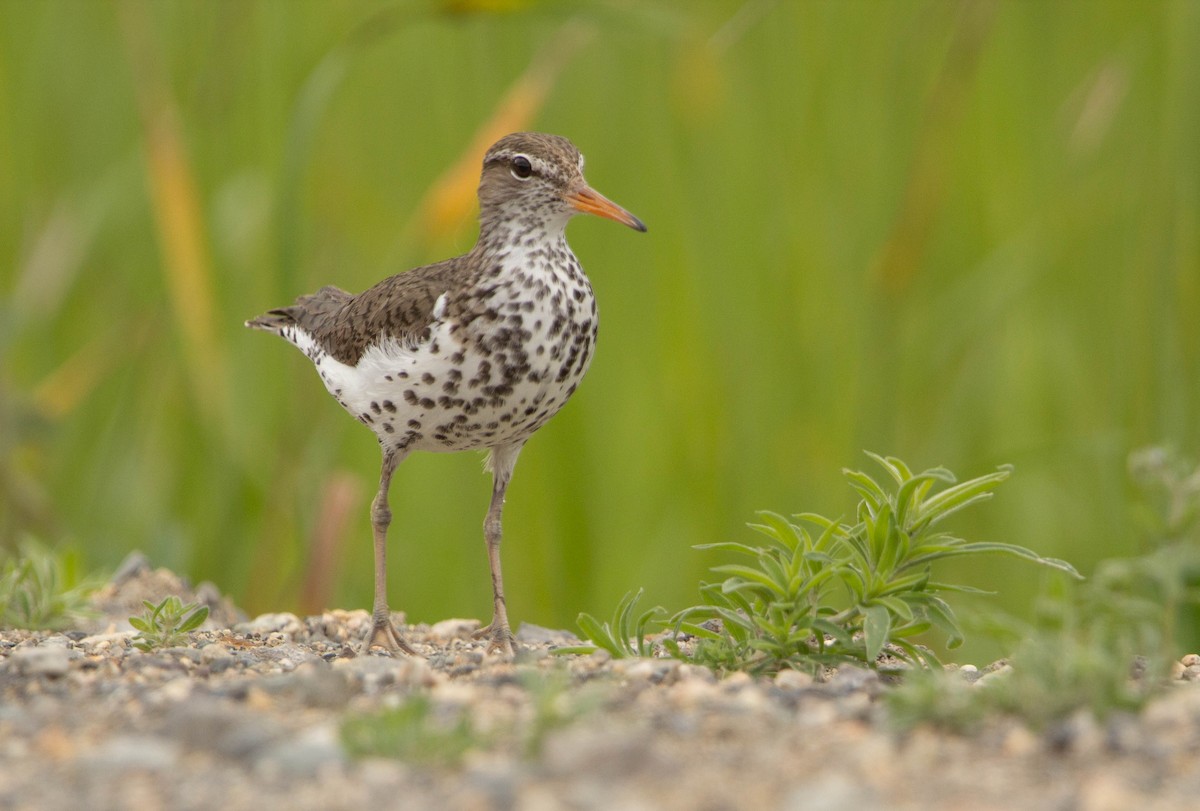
345 325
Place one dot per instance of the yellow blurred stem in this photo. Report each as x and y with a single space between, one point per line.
187 267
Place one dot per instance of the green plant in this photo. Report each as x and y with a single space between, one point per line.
43 589
425 731
936 696
780 610
553 706
1096 646
624 637
416 730
1104 645
166 624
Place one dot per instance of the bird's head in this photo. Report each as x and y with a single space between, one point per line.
536 180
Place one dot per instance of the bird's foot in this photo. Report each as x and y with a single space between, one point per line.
500 638
383 634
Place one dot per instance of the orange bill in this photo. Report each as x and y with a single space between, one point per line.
590 201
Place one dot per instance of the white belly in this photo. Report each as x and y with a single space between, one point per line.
487 384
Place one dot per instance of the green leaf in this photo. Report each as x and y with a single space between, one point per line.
943 504
195 620
730 546
596 632
866 487
981 547
897 607
877 627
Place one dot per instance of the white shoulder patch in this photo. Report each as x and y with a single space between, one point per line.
439 307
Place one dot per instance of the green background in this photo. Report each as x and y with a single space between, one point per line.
960 233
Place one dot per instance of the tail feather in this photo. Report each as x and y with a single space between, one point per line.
308 313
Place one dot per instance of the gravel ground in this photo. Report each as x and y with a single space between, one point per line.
250 716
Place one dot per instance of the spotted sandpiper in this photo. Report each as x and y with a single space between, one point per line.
475 352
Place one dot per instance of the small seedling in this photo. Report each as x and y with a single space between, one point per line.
417 730
624 637
167 624
43 589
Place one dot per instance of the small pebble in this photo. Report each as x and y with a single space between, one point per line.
214 652
737 681
994 675
282 623
635 669
449 629
124 753
51 662
793 680
317 750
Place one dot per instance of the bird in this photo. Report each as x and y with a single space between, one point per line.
472 353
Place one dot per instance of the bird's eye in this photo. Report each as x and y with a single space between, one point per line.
522 169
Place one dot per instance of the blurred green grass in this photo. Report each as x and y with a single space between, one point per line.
961 233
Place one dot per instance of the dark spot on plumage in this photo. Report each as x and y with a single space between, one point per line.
450 387
426 403
427 379
388 378
414 423
410 397
458 357
500 390
387 426
388 405
375 407
366 418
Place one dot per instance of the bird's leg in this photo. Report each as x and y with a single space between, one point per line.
500 637
383 633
